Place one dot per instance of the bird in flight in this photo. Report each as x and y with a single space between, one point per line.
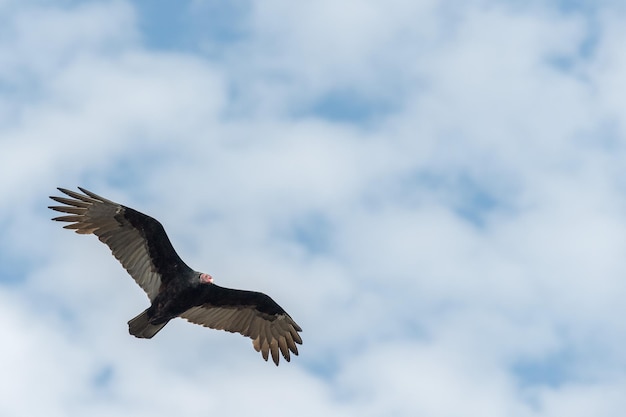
140 244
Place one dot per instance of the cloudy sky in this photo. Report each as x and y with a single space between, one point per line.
434 190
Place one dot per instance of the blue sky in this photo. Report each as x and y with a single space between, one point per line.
434 190
187 25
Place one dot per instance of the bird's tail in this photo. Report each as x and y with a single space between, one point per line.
141 327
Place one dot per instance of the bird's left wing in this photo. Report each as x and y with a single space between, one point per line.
251 314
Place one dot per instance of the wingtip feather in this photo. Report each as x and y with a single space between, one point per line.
94 195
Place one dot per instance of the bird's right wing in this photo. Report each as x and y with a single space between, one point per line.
138 241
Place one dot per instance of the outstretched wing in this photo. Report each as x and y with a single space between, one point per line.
138 241
253 314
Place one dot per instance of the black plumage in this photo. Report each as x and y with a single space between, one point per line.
141 245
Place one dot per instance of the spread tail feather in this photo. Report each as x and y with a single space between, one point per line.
141 327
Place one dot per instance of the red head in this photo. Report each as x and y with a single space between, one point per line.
206 278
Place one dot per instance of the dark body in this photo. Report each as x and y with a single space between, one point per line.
141 245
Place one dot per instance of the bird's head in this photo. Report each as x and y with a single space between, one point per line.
206 278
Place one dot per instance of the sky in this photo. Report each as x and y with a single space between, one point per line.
435 191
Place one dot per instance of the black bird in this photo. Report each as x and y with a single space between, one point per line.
141 245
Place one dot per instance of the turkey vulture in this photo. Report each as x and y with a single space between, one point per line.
141 245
